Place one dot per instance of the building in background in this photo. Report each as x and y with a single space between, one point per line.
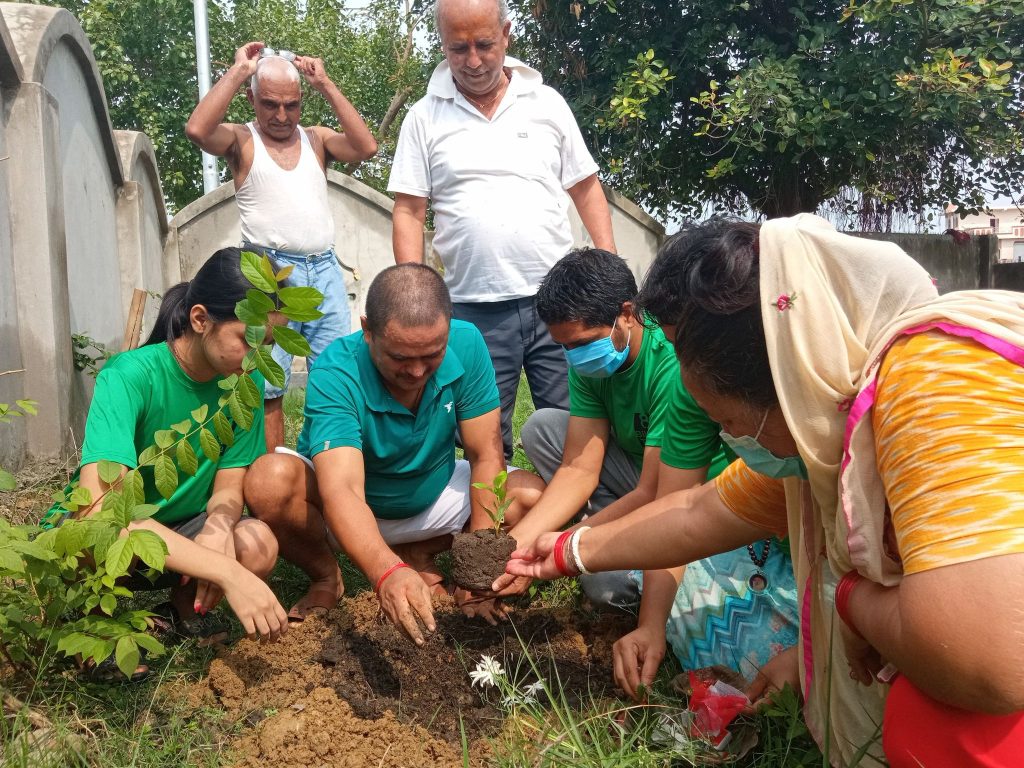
1007 224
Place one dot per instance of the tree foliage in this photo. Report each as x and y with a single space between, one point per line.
781 105
145 50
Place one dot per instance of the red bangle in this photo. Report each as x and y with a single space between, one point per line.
559 553
844 589
388 572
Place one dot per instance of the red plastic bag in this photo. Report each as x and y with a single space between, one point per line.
714 705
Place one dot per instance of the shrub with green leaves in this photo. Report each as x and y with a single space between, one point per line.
59 587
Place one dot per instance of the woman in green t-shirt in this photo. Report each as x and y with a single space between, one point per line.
212 550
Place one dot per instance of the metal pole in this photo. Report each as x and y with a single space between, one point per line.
210 180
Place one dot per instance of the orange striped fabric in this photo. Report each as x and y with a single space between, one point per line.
949 435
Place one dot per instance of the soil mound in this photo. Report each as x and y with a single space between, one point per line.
347 690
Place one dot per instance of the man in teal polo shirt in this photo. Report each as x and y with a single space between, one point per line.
375 473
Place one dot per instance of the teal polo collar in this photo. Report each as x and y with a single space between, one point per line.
376 394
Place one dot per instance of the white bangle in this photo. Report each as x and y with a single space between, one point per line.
574 547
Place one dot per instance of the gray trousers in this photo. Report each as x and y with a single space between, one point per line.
518 339
543 439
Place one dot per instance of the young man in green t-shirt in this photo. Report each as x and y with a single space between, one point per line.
611 452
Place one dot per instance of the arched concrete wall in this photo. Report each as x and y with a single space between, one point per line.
12 436
362 231
81 216
362 221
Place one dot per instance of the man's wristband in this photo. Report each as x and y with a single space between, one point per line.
388 572
844 589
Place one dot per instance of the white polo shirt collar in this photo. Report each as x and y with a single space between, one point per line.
525 79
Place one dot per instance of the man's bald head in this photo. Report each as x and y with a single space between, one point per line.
441 7
273 69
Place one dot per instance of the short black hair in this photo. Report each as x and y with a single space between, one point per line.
705 282
589 285
412 295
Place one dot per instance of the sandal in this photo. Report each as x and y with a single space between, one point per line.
205 629
107 671
318 600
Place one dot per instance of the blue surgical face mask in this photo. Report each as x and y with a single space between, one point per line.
599 359
760 459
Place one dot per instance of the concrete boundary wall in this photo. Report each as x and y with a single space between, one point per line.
82 223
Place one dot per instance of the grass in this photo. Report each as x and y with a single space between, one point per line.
147 724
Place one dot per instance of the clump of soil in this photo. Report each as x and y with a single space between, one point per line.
347 690
479 557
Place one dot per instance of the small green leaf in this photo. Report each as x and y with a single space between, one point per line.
299 297
149 548
286 272
182 427
209 445
119 558
117 506
165 474
148 455
199 414
108 604
249 392
242 414
291 341
150 643
229 383
259 301
28 406
110 472
301 314
127 656
144 511
8 482
187 460
267 270
133 482
266 365
222 425
248 314
165 437
252 268
255 334
80 497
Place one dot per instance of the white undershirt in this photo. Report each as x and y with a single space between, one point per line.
285 209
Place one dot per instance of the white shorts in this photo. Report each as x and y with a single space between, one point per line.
449 514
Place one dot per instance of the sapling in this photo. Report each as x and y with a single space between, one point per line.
501 501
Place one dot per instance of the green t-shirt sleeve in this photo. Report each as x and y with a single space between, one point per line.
113 417
332 412
691 438
584 399
476 391
250 443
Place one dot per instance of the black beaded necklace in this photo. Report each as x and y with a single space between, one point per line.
758 581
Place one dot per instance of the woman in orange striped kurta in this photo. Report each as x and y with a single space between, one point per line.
892 421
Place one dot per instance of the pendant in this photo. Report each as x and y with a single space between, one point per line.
758 581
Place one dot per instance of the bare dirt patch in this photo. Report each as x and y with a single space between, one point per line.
347 690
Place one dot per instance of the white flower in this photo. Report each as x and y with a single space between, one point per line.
530 692
487 672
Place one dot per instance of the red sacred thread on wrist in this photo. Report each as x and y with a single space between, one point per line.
388 572
559 553
844 589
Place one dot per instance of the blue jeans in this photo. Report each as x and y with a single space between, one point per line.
320 271
518 340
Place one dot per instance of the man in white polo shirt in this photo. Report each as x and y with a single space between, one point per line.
495 151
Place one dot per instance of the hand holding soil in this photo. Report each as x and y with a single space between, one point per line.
405 599
490 609
536 560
